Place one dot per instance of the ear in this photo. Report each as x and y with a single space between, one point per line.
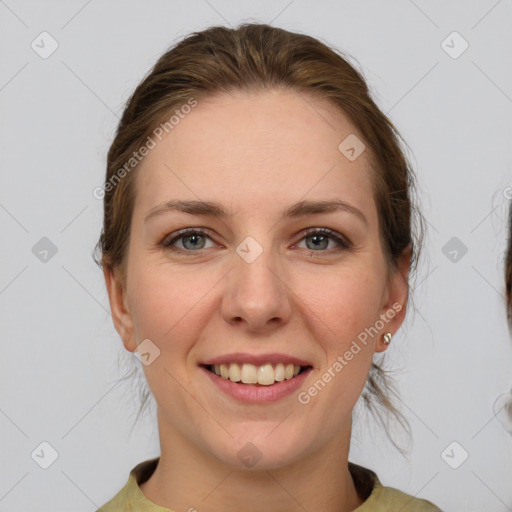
395 298
118 305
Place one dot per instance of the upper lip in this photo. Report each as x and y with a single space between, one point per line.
256 359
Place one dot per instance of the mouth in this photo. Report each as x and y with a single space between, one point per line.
253 375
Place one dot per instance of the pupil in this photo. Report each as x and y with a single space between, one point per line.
322 239
194 244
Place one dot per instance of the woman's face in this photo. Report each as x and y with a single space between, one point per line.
258 284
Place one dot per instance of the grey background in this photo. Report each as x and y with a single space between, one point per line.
61 357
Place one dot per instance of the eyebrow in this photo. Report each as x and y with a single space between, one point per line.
297 210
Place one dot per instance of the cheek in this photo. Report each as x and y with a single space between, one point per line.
167 306
346 301
342 309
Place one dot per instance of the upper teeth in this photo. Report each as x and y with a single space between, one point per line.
251 374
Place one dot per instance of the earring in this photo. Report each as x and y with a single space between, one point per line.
387 338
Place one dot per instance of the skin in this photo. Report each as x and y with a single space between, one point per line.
256 153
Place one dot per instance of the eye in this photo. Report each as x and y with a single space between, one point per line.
320 238
190 240
194 240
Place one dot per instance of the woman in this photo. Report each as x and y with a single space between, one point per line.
256 247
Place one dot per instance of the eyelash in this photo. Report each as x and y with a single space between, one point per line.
343 242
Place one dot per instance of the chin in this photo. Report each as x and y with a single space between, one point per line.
260 451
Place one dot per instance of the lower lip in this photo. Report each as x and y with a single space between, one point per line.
255 393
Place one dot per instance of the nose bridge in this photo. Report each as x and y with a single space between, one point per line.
256 293
255 272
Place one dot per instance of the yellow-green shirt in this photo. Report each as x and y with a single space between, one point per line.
377 497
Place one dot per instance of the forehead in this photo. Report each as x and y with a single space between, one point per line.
256 148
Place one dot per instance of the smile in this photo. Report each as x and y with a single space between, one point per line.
264 375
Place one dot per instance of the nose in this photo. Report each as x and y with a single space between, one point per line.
256 294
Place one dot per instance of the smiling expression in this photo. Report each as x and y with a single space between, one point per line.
255 241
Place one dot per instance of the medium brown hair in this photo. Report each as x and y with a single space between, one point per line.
258 57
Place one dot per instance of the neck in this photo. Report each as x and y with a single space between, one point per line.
186 479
